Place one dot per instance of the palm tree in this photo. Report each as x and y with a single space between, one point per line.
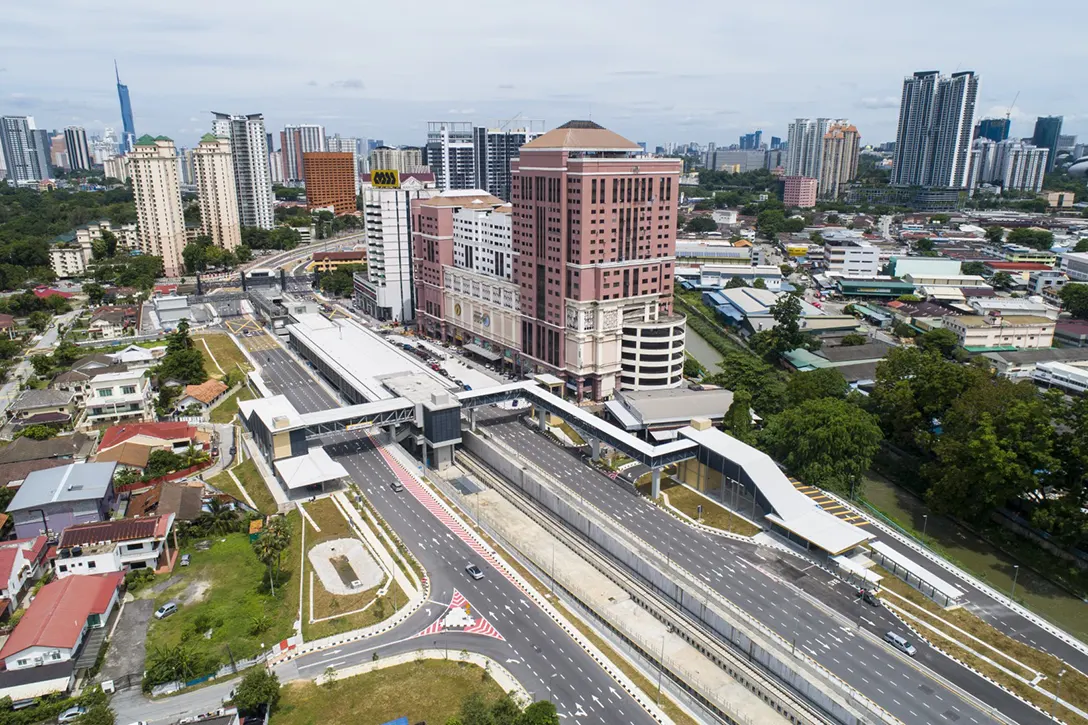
267 552
278 531
219 518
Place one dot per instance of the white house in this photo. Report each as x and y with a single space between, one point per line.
117 396
118 545
20 564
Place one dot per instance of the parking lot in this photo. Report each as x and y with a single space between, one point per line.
127 651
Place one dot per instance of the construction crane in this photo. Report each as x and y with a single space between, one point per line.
1011 105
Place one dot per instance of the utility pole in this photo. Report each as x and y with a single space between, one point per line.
661 669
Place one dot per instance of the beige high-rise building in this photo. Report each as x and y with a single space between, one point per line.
153 168
840 159
406 160
213 173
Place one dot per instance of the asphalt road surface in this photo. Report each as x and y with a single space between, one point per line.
530 644
768 585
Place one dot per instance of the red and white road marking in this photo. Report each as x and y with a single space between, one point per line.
458 618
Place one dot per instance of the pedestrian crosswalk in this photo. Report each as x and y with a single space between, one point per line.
829 504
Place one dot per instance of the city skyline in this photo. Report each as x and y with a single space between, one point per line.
672 92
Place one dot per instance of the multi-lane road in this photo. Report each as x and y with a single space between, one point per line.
533 647
784 594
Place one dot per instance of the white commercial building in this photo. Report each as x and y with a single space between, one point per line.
1075 266
69 259
852 257
482 241
213 173
1069 378
385 290
977 332
153 164
720 275
252 177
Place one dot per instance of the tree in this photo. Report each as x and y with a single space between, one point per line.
39 320
924 245
259 688
280 534
99 714
1082 245
1075 299
110 240
43 365
37 432
692 368
160 463
853 340
975 268
95 293
826 442
770 222
1034 238
738 419
267 552
735 282
701 224
1001 280
741 371
995 235
759 283
940 218
786 335
908 298
997 443
540 712
940 340
816 384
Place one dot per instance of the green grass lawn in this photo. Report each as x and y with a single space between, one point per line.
685 499
335 526
225 591
225 411
430 691
254 484
227 355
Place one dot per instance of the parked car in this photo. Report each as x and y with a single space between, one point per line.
166 610
474 571
185 559
72 714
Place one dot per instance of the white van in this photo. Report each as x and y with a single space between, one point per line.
900 644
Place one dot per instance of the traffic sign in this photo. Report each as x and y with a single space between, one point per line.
385 179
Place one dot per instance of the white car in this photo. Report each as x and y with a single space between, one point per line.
474 571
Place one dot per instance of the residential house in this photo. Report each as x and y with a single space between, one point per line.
184 500
138 357
204 396
77 381
20 565
42 407
111 322
978 333
166 435
40 655
130 456
7 324
26 455
56 498
117 396
118 545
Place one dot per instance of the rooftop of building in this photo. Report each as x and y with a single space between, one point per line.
472 198
165 431
33 399
206 392
662 407
74 482
1002 320
66 446
348 256
60 610
581 136
100 532
1046 354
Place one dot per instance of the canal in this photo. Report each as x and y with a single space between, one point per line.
976 556
701 350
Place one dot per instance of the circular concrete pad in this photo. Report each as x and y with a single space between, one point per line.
339 562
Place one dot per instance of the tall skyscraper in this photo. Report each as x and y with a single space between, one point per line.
252 178
936 125
58 152
26 149
1010 164
345 145
450 154
330 181
406 160
386 290
217 195
295 141
840 159
995 129
153 168
105 147
79 151
1047 131
275 166
751 141
128 137
594 236
493 149
806 147
776 143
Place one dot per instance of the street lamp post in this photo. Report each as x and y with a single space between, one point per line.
661 669
925 523
1015 574
1057 689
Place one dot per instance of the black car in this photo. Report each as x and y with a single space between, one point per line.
868 597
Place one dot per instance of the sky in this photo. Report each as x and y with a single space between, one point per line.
685 70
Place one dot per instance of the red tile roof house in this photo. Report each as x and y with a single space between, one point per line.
117 545
40 655
20 565
165 435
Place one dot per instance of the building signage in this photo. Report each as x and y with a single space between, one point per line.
481 318
385 179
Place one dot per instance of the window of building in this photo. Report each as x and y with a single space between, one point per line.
105 392
92 565
128 389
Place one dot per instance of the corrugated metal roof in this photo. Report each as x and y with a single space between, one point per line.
74 482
